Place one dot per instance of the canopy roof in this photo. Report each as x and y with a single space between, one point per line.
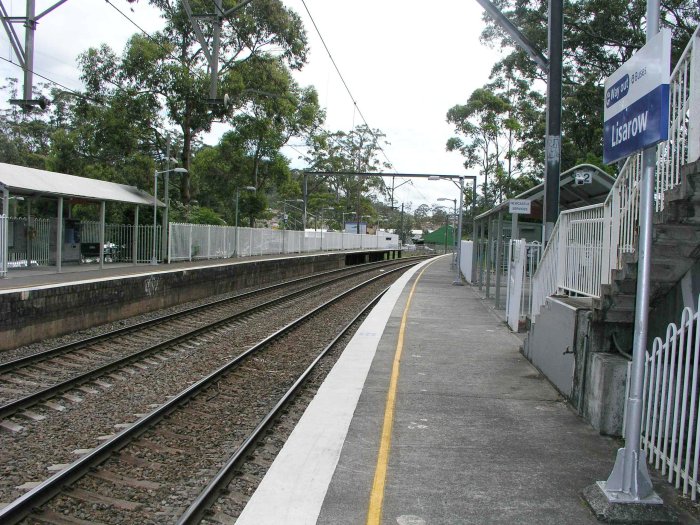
20 180
571 195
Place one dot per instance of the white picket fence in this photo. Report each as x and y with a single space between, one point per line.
588 243
189 242
671 426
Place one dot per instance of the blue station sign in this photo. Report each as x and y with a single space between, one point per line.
637 100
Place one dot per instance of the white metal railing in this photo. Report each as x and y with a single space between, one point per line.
588 243
670 426
189 242
120 243
35 248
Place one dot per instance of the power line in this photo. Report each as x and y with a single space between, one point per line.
72 91
337 69
151 37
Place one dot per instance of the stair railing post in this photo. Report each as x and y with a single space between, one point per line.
561 269
694 102
607 247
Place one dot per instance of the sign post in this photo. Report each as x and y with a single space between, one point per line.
516 207
636 118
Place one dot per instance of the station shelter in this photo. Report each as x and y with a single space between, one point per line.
29 241
582 185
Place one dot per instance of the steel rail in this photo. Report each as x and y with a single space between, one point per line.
75 345
48 489
211 493
30 400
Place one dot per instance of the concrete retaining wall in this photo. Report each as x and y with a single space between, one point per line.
33 315
573 352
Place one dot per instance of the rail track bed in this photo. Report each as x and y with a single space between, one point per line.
176 417
34 378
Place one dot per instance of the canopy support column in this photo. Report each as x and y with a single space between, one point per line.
102 235
59 235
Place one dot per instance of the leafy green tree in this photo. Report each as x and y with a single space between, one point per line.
173 66
598 37
486 138
358 151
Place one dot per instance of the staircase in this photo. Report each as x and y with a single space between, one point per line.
675 250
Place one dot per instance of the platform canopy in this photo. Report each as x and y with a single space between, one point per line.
594 190
20 180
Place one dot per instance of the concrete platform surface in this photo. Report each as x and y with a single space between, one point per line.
478 437
19 278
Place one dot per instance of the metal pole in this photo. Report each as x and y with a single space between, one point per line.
166 199
102 235
306 197
5 231
216 44
458 280
488 257
499 257
30 27
553 133
284 222
154 259
629 480
135 243
59 235
235 242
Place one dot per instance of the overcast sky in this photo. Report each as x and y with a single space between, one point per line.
405 63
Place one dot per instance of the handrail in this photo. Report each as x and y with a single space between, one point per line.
588 243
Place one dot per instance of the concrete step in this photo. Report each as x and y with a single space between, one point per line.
673 232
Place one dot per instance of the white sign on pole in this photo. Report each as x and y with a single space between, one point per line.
636 100
519 206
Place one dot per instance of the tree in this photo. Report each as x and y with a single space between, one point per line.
486 139
172 67
594 47
356 151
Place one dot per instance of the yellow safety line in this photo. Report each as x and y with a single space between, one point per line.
376 498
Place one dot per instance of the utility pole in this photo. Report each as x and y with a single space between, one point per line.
553 67
552 143
25 55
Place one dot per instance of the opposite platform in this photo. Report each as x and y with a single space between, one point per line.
478 435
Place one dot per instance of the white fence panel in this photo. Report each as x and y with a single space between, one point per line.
201 241
670 426
517 255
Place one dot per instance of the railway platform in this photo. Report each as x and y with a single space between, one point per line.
433 417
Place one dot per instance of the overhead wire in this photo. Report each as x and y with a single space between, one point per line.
347 88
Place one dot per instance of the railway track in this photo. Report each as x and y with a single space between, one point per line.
145 483
39 377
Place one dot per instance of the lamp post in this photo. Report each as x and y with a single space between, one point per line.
238 194
454 217
154 257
